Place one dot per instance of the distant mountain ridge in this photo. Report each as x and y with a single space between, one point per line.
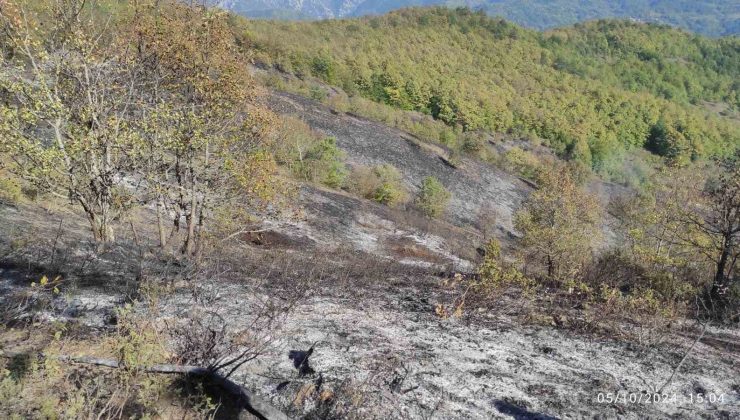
708 17
293 9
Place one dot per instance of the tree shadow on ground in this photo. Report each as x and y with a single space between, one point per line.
19 365
194 391
520 413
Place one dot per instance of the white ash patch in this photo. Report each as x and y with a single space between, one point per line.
461 371
439 246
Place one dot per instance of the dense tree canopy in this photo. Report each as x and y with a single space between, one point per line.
600 88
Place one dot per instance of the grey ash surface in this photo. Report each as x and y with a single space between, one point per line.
473 184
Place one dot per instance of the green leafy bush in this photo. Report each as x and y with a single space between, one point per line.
10 190
432 198
309 156
522 163
381 183
495 274
323 163
391 190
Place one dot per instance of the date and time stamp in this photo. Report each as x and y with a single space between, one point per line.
625 397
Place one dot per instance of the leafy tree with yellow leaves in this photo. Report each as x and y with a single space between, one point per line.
66 95
684 233
205 139
559 224
710 217
154 103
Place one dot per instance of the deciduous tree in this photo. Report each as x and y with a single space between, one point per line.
559 224
205 134
68 90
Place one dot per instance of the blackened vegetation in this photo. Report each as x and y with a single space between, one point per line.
300 361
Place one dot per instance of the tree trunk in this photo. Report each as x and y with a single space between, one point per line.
101 229
719 286
191 220
99 223
201 227
160 224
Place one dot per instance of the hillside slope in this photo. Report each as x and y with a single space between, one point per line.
203 216
473 183
709 17
376 334
591 92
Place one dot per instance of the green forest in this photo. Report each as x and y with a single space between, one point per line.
591 92
702 16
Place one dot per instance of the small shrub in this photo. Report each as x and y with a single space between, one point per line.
317 93
10 190
323 163
640 315
473 143
448 137
522 163
362 182
391 190
494 273
309 156
385 194
493 278
432 198
454 158
46 387
381 183
136 341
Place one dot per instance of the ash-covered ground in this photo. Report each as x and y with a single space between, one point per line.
376 279
381 345
409 363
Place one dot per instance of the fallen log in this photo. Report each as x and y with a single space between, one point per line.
246 399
